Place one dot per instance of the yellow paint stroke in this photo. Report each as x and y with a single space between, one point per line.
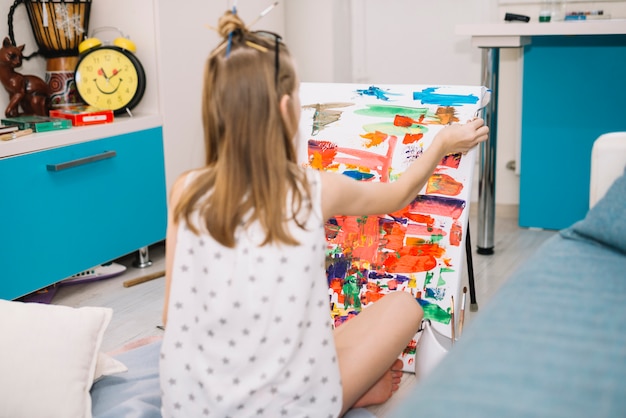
375 138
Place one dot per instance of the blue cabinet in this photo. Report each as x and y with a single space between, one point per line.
573 92
67 209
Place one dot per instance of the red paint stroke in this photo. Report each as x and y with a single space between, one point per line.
375 162
412 138
336 285
438 205
373 293
405 121
413 259
443 184
424 230
358 236
421 248
409 263
456 234
394 237
451 160
375 138
321 153
415 217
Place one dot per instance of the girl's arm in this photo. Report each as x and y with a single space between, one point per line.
343 195
170 240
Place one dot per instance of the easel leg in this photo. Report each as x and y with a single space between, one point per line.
470 271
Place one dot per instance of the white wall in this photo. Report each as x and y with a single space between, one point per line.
184 44
409 41
369 41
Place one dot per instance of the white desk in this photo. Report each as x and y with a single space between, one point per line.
490 38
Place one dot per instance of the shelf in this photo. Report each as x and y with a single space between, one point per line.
78 134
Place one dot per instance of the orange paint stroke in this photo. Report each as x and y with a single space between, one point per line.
456 234
321 153
374 138
446 115
443 184
412 138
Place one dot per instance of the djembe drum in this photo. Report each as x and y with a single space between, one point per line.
58 26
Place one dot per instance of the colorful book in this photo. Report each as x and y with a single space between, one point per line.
38 123
83 115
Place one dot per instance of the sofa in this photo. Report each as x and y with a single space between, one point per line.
552 341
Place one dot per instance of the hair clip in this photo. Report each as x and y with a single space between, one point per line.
230 37
256 46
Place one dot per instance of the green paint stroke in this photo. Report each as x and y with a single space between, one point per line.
440 281
434 312
429 278
436 238
390 129
383 111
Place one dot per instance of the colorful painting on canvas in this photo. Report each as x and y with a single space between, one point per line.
373 133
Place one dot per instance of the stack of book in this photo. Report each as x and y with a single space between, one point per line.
38 123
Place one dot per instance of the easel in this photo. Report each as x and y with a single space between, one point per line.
470 271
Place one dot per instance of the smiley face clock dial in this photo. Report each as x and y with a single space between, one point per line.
110 77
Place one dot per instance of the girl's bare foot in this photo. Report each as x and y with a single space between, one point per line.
382 390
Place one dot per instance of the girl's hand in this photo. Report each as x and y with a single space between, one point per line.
463 137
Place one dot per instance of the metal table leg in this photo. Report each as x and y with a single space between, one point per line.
487 176
143 258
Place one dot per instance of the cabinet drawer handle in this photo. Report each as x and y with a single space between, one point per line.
81 161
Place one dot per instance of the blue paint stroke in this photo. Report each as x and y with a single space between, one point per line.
437 293
358 175
376 92
338 269
428 96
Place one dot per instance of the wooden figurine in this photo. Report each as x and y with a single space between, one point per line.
29 92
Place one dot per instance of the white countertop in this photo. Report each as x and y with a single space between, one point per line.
53 139
515 34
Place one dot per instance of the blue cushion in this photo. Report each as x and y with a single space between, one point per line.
605 223
550 343
133 394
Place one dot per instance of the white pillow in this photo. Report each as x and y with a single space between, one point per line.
48 358
107 366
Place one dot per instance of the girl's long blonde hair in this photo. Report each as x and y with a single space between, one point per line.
251 170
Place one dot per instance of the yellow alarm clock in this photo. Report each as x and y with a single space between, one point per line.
109 76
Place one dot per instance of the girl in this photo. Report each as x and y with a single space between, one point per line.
249 329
